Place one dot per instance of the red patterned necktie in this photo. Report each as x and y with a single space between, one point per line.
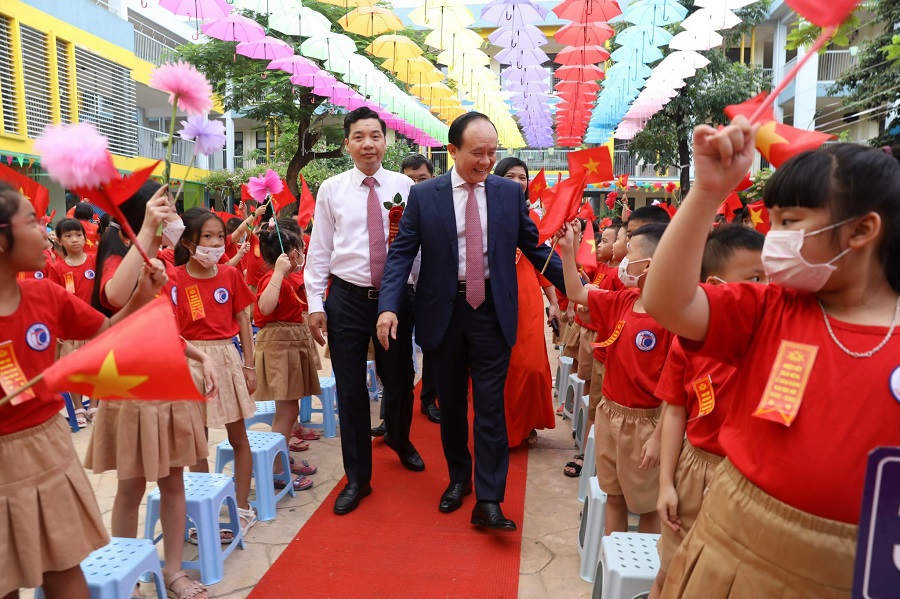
377 246
474 250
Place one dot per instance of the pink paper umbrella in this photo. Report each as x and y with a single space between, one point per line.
334 91
267 48
199 10
320 79
295 65
575 55
233 28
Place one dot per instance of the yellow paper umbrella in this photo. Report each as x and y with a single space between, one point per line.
432 92
453 38
465 58
394 47
370 20
437 14
421 78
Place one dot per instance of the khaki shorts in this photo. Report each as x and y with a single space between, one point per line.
571 340
598 371
620 434
693 475
746 543
586 353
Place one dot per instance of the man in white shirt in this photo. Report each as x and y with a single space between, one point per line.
348 250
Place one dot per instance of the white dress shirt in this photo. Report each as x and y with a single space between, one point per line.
339 244
460 197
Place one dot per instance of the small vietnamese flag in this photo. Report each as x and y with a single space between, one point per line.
823 14
115 366
595 163
759 216
564 207
586 212
245 193
731 205
283 198
36 193
307 204
587 251
537 186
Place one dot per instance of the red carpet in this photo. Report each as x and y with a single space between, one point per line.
397 544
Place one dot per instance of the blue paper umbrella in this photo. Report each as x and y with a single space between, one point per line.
643 35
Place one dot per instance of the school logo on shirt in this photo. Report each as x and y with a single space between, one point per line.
175 295
89 274
38 337
895 383
645 340
38 275
221 295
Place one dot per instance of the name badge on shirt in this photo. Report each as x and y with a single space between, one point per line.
612 338
599 278
705 394
195 302
11 375
787 382
69 279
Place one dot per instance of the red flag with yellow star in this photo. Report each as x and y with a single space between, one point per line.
537 186
595 163
141 357
283 198
565 206
587 251
307 204
759 215
36 193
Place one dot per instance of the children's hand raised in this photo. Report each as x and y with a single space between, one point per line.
568 234
157 209
283 264
723 157
243 249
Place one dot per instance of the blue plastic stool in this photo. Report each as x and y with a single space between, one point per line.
205 494
574 390
265 448
112 571
70 410
563 368
372 379
265 414
328 397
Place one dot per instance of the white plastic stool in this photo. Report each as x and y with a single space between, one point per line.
574 389
589 466
593 525
265 414
563 368
628 565
580 420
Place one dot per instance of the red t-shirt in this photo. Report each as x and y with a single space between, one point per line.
112 265
206 307
45 313
75 279
167 255
253 262
42 273
606 278
850 405
636 358
676 386
291 300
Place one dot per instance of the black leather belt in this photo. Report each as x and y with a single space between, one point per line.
367 292
461 285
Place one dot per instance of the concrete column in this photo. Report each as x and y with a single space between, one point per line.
805 87
778 60
229 141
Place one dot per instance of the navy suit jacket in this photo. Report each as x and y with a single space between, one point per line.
429 223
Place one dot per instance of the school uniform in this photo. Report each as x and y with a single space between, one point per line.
206 312
781 515
78 280
145 439
628 411
285 357
704 387
253 262
49 518
607 279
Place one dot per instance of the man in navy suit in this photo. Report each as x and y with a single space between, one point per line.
468 224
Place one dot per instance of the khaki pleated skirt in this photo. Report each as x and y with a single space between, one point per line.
285 369
49 518
746 545
313 346
141 438
233 401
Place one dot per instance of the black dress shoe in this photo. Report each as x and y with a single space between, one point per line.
432 411
452 498
348 499
380 430
487 514
409 457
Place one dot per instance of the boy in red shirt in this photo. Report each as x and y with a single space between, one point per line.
698 391
626 432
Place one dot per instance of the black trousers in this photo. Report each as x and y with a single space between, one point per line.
351 325
474 345
429 388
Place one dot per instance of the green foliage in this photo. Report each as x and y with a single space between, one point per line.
803 34
758 184
892 51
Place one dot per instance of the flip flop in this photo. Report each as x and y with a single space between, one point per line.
301 483
297 445
304 470
225 536
305 434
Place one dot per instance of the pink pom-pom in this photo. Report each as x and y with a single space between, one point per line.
76 156
265 185
182 81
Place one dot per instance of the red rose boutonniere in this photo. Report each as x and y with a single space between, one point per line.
395 211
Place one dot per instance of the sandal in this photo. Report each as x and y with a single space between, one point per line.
532 438
91 414
305 434
304 470
559 410
81 417
297 445
573 469
301 483
225 535
248 519
191 590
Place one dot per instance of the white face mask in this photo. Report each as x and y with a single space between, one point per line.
172 232
208 257
627 279
785 265
300 264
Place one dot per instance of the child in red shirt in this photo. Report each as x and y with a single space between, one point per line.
211 302
40 546
286 368
818 385
625 425
698 391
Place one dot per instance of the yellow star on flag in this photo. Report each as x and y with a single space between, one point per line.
756 217
767 137
22 192
108 382
592 166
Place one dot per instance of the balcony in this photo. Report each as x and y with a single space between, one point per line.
834 63
152 46
149 147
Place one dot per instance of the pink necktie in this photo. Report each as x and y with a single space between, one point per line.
377 246
474 251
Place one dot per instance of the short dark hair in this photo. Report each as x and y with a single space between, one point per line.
415 161
67 225
459 125
650 214
650 235
361 114
723 242
83 211
232 224
269 245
